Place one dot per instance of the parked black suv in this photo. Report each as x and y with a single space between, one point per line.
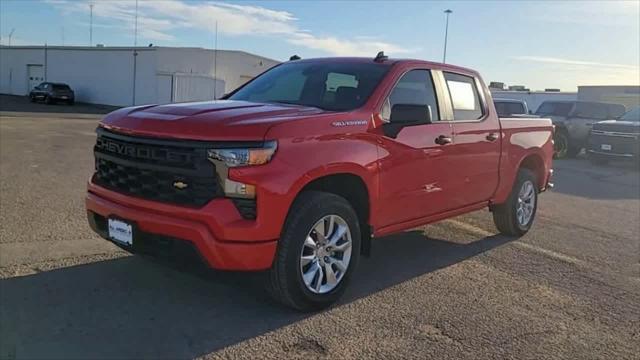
616 139
52 92
573 121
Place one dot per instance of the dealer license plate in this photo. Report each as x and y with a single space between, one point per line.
605 147
120 231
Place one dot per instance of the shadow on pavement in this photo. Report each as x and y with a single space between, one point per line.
134 308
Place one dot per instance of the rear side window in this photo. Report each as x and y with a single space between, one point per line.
464 97
414 88
508 108
60 87
555 108
591 110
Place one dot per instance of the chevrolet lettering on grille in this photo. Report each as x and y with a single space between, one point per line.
141 151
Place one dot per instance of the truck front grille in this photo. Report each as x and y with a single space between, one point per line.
169 171
621 144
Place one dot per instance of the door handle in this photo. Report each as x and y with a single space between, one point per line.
443 140
492 137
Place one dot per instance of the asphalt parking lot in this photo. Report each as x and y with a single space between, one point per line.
453 290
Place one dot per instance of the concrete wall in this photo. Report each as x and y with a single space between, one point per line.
234 68
105 75
100 76
534 98
629 96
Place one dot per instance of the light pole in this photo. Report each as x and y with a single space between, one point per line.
446 33
90 24
10 35
135 54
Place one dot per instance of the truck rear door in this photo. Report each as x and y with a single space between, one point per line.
475 152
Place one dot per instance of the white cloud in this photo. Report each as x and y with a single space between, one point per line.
559 61
581 72
157 20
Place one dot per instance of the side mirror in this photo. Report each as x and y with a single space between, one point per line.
410 114
403 115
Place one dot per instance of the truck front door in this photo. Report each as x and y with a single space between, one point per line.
413 162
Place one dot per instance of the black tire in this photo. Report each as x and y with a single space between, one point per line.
505 215
48 100
560 144
32 98
285 283
573 151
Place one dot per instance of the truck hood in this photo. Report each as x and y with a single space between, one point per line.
620 126
208 120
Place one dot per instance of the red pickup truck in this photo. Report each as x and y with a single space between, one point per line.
296 171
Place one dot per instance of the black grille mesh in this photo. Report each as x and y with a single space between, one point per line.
192 184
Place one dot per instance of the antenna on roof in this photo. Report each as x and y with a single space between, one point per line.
381 57
294 58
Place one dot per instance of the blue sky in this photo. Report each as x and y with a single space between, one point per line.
539 44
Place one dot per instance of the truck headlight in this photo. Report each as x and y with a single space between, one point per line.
244 156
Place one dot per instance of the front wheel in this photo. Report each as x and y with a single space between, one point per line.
516 215
317 253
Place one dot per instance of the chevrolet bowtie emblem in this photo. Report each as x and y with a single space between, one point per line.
180 185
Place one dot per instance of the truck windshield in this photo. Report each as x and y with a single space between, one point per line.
631 115
555 108
330 86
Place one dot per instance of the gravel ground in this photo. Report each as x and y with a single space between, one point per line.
453 290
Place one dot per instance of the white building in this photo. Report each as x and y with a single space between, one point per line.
105 75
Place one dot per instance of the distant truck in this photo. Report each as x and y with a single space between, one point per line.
297 170
573 121
616 139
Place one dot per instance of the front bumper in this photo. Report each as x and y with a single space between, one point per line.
217 231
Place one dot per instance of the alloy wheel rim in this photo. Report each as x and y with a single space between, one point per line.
326 254
526 203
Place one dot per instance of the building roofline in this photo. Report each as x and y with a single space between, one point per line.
126 48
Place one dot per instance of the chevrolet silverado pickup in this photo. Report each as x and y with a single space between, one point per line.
295 172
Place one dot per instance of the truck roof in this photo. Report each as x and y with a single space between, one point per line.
392 61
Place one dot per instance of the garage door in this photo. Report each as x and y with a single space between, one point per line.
35 75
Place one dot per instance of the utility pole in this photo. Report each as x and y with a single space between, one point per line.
446 33
10 35
90 24
135 53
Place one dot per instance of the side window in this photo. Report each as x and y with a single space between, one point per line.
464 97
591 111
414 88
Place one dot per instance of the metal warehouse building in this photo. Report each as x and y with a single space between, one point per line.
125 76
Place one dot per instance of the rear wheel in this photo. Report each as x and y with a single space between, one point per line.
516 215
318 250
560 144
